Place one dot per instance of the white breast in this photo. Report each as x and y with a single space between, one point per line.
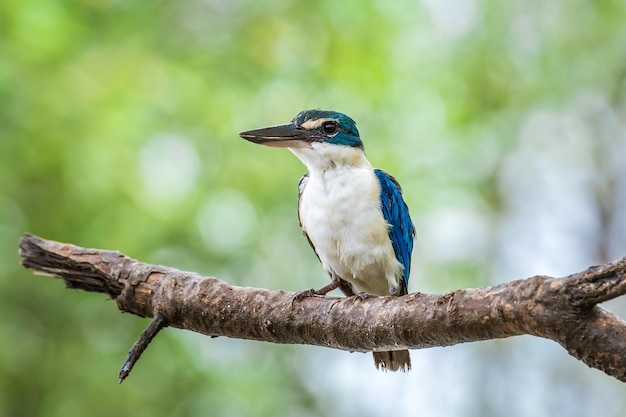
340 211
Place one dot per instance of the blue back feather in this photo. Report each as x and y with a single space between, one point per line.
396 213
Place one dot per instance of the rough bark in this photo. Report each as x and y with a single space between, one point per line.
562 309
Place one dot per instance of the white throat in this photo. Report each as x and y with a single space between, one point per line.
325 156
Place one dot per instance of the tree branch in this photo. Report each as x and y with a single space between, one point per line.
564 310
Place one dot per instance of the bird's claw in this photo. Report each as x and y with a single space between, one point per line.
362 296
300 295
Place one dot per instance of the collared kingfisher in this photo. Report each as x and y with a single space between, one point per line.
352 214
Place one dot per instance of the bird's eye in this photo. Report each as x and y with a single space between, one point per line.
329 128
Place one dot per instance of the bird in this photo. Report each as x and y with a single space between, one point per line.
353 215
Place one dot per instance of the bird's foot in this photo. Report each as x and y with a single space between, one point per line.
311 292
362 296
300 295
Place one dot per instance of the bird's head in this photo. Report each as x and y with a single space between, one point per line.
308 128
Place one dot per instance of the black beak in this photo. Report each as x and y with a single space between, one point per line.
282 136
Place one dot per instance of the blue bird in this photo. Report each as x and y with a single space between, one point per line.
353 215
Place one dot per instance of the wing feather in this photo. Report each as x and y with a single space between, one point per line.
401 230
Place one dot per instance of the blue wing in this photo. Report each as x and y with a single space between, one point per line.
396 213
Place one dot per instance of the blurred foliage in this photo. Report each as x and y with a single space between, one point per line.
118 130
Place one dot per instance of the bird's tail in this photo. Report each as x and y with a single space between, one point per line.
393 360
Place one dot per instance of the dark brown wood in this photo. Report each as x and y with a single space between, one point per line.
155 326
561 309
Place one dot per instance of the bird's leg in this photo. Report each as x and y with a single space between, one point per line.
334 284
394 291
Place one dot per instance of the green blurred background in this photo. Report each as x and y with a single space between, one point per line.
504 122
